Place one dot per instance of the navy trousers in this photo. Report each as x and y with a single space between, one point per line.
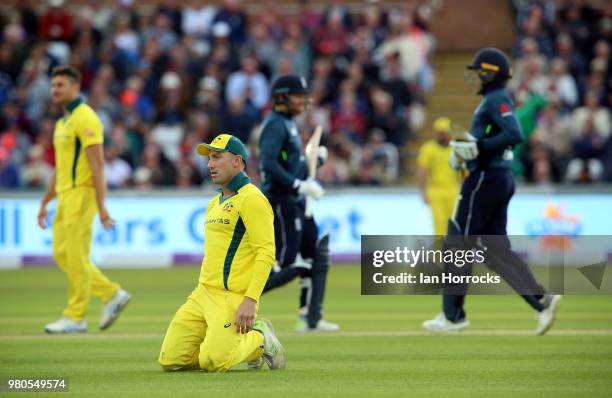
295 233
480 220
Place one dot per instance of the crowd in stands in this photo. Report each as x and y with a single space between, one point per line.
563 90
166 79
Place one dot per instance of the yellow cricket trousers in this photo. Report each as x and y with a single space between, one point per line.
442 204
72 230
202 334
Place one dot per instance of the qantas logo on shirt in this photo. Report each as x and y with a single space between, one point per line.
504 109
218 221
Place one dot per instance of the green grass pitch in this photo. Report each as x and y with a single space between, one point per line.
381 350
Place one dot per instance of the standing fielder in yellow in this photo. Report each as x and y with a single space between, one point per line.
438 181
80 187
216 328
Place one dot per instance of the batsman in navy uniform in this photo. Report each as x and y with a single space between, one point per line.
284 181
481 214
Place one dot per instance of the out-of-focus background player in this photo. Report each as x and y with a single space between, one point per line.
438 182
80 186
482 212
299 249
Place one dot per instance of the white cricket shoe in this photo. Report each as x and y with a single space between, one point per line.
441 324
274 353
546 317
66 325
301 326
113 308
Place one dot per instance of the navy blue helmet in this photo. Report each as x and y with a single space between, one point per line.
492 65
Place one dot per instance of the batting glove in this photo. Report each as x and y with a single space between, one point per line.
465 149
310 188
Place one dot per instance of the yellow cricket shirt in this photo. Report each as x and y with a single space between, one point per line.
79 129
440 175
239 246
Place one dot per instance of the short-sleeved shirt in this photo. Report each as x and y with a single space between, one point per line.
80 128
435 159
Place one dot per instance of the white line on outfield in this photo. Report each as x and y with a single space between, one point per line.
398 333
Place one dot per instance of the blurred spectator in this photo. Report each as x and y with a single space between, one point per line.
237 119
118 171
383 155
332 37
171 9
28 19
197 18
162 171
574 60
161 31
348 120
125 38
9 173
560 84
234 16
248 83
385 120
592 117
261 44
337 169
591 132
56 23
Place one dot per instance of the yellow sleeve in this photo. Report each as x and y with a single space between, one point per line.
424 156
90 130
258 220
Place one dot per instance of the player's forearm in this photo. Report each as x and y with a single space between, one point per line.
276 172
49 193
99 182
261 272
96 162
501 141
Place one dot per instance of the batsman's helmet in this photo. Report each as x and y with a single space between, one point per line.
285 85
492 65
289 84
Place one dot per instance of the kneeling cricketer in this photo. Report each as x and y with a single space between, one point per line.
216 328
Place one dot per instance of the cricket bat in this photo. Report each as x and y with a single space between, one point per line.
311 154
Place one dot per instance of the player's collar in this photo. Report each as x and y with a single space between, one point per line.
73 104
237 182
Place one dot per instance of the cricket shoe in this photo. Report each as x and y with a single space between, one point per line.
274 353
546 317
301 326
113 308
66 325
441 324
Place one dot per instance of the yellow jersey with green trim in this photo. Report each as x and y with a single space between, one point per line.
239 249
80 128
441 177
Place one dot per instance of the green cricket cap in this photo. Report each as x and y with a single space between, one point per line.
223 142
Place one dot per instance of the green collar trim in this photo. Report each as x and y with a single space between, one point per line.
74 103
239 180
